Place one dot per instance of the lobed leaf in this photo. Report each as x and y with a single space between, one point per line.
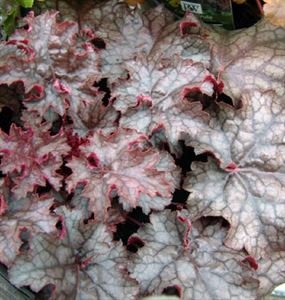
31 157
123 164
247 187
28 213
204 269
84 264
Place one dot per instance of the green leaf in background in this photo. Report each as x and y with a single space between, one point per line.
9 22
9 11
26 3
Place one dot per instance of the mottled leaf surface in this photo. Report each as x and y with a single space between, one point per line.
56 62
103 102
154 97
206 269
126 32
31 157
31 54
247 187
120 31
83 264
252 58
271 272
30 213
123 164
95 115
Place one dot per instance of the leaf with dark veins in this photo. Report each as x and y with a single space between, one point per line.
176 120
252 136
252 58
271 272
31 157
157 203
154 96
106 149
121 32
30 213
37 68
95 115
42 100
186 38
252 202
114 67
160 82
248 186
116 214
197 268
123 164
125 32
85 264
55 75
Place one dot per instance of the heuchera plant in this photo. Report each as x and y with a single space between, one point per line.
118 117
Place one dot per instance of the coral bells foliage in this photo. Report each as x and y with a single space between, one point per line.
141 155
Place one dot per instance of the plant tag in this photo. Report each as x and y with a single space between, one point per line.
195 8
214 12
218 12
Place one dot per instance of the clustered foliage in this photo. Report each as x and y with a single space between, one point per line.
123 121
